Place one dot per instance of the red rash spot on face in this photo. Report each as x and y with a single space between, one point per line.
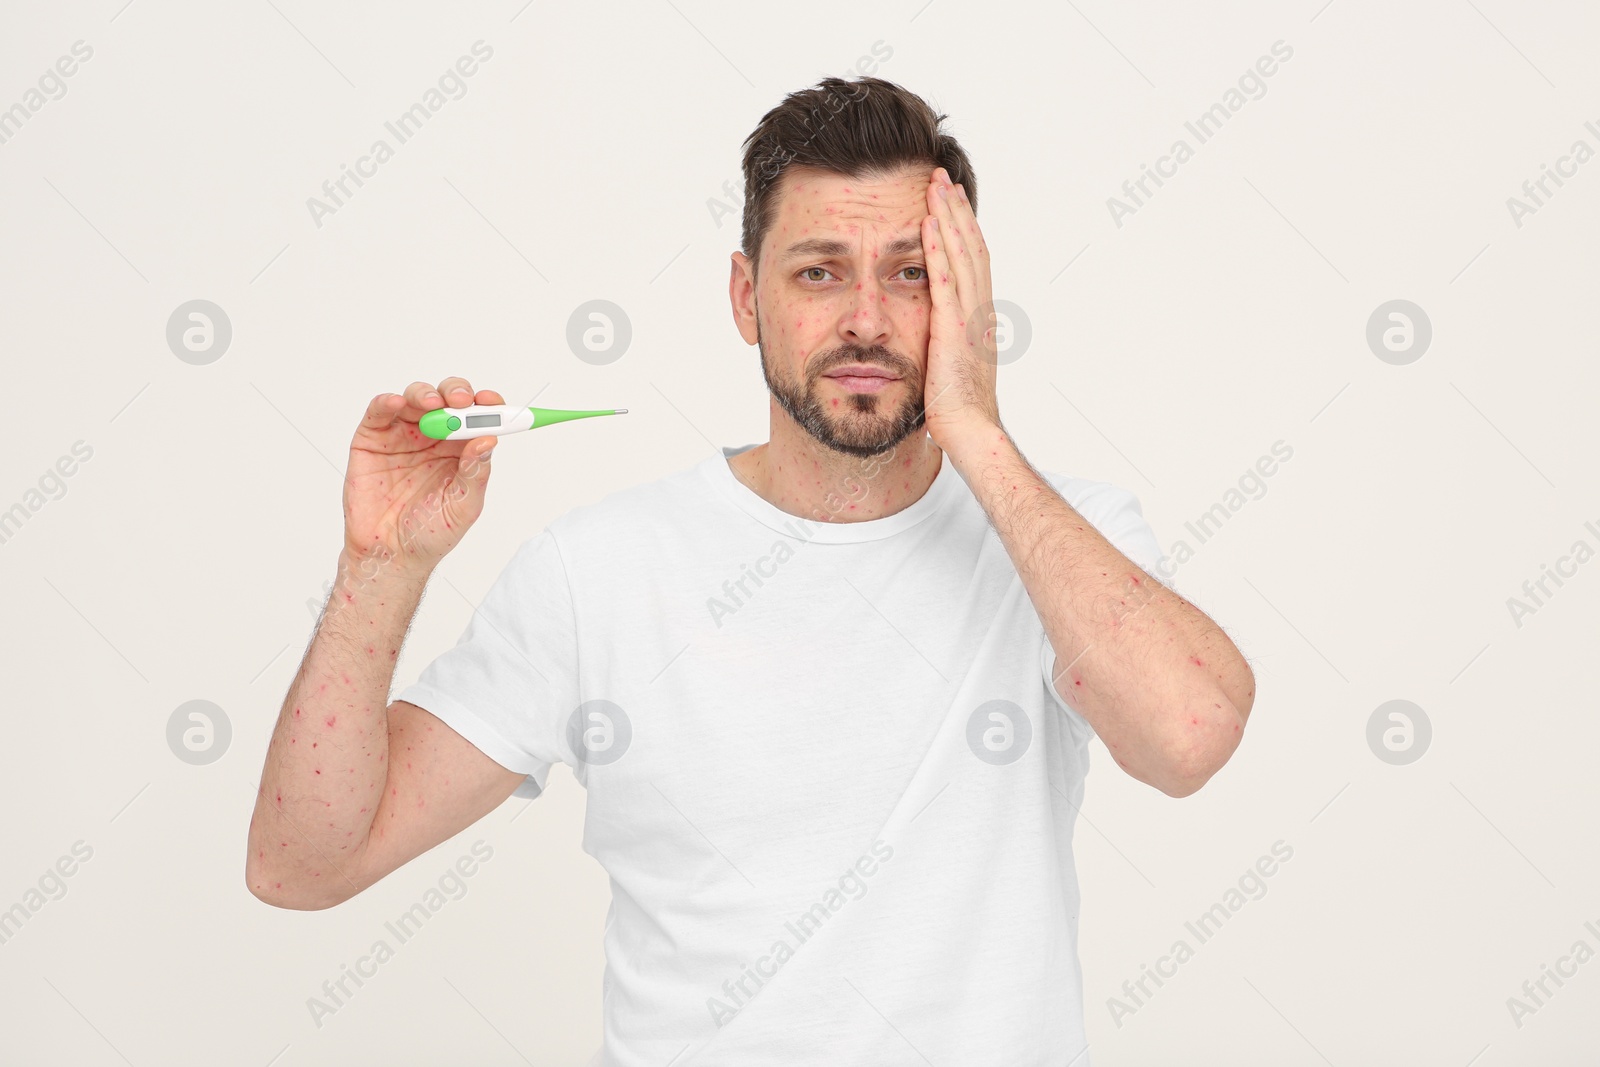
1195 721
1196 661
313 744
330 720
319 772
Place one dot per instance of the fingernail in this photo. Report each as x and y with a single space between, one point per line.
432 394
942 194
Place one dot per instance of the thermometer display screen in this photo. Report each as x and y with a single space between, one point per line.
475 421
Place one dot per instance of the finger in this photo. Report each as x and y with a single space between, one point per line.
941 279
420 397
489 396
381 412
967 220
962 270
968 231
456 391
474 467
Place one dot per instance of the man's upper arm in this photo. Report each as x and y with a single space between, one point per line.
439 783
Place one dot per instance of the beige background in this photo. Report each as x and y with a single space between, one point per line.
1167 355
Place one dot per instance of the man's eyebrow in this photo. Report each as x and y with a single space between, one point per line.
826 246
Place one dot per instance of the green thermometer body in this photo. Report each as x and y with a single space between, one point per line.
494 420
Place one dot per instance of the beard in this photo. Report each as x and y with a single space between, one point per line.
864 424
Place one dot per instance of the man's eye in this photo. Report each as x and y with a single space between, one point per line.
922 273
808 271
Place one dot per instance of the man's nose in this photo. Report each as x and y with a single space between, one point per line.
865 319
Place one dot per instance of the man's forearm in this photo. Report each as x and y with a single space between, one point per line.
328 759
1161 684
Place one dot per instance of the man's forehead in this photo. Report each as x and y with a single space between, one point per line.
824 213
804 190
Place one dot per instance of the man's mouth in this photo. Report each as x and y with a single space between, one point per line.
862 377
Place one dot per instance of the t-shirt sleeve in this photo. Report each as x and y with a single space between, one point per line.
511 682
1116 513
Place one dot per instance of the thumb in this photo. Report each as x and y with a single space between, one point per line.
474 463
462 500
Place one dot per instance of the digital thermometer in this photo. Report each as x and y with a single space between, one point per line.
493 420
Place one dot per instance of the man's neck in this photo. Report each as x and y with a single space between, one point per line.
797 474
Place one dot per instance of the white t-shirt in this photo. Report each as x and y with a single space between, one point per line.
827 775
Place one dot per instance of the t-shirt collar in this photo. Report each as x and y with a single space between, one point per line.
803 528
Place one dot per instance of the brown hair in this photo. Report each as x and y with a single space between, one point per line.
860 128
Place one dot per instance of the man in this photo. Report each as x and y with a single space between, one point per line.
830 695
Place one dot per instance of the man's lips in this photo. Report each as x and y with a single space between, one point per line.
863 383
861 370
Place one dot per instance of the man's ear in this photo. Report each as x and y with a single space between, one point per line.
742 295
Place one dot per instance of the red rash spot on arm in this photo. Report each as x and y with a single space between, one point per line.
1196 661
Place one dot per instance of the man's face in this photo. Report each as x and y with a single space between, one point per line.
842 287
